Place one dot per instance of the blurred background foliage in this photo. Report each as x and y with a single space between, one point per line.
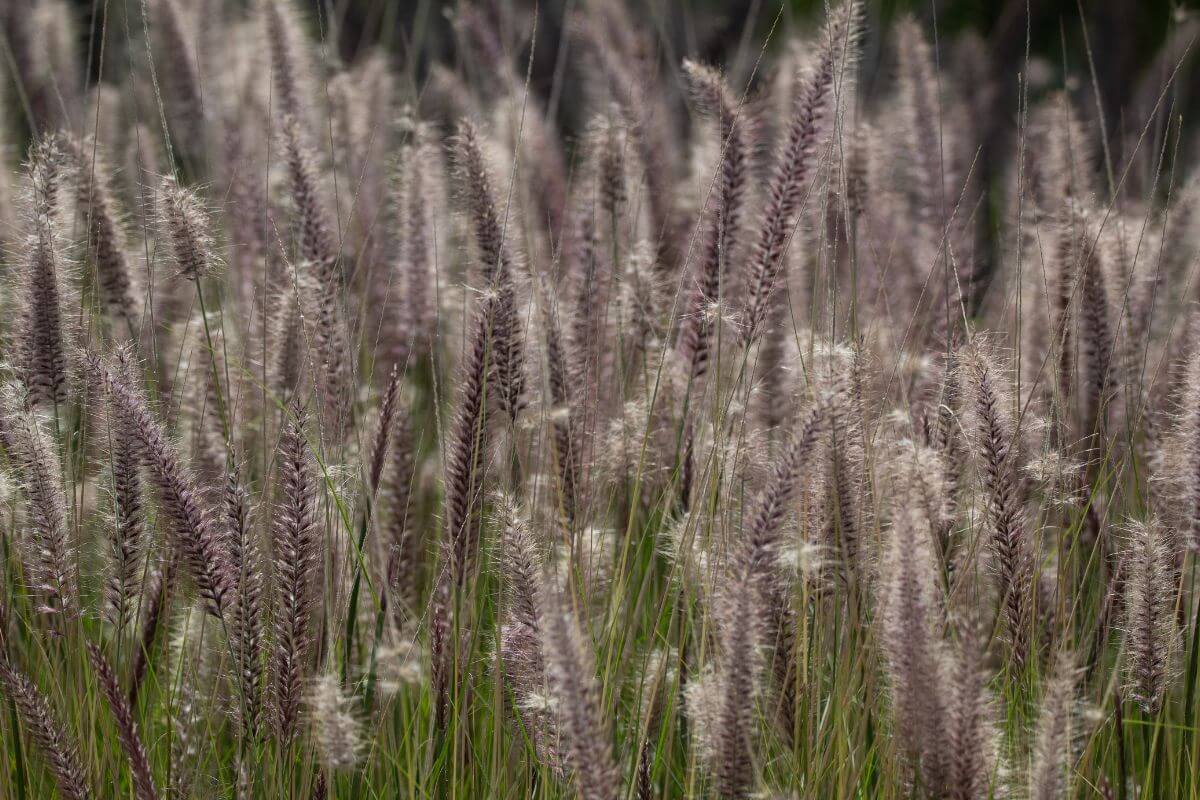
1125 36
1129 64
990 46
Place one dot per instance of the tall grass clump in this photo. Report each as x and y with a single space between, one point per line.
593 400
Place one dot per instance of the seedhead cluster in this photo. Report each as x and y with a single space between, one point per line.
383 427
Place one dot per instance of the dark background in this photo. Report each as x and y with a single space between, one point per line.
1135 47
1125 35
1123 51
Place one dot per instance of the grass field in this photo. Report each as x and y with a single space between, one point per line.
819 422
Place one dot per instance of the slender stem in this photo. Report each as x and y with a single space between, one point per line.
212 360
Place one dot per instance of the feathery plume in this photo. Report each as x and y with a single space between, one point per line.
739 681
55 744
41 348
1050 771
1149 619
247 603
1183 447
971 735
521 565
508 366
922 109
195 535
335 728
720 235
602 195
127 539
285 334
107 239
400 537
416 239
910 612
1007 527
131 742
1097 338
315 243
289 66
935 186
585 738
468 445
463 487
761 535
320 790
189 712
50 567
645 117
186 226
320 276
795 161
383 431
757 557
564 406
295 548
847 460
